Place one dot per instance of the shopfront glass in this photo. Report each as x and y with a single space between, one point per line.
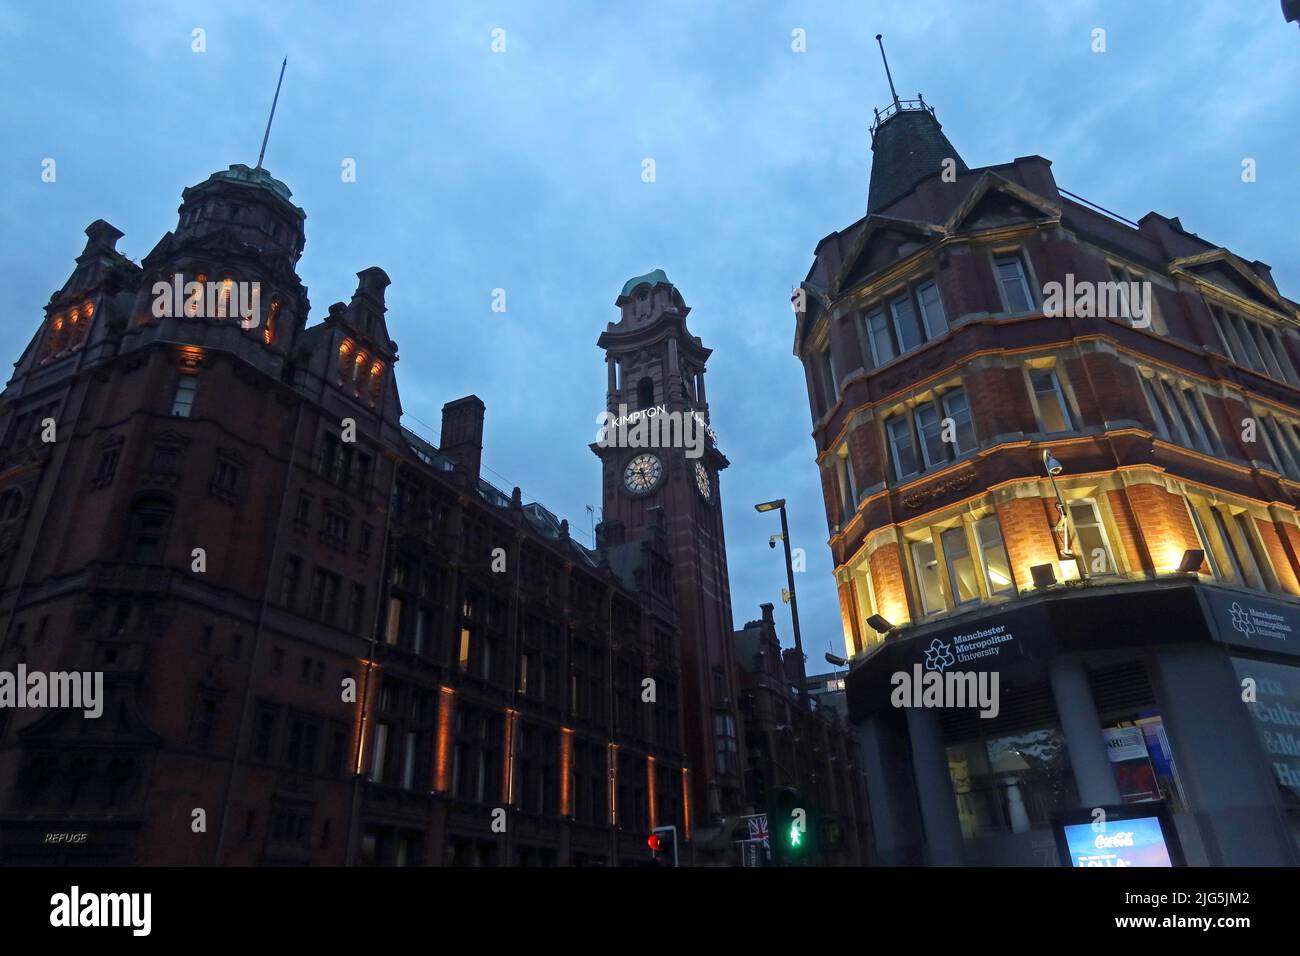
1011 783
1271 693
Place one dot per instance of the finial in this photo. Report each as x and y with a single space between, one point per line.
267 134
888 76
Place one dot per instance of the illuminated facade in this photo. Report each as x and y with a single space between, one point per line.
1027 412
324 640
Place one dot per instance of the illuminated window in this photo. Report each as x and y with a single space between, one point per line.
186 388
224 297
466 638
926 566
268 333
993 551
1049 401
394 632
961 565
1091 545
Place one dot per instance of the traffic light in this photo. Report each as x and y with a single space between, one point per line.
788 823
663 846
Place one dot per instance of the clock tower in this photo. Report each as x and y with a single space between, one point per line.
660 467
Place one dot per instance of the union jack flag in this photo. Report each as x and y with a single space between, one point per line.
758 828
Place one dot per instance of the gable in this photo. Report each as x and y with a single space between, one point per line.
997 208
1229 279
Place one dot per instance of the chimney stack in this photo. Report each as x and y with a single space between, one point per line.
462 434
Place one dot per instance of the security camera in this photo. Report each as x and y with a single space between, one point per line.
771 542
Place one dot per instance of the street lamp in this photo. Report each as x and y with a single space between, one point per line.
779 505
1054 468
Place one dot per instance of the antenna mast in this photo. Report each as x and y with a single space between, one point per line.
267 134
892 91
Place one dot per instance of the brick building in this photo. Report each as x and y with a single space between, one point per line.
1063 447
323 639
813 750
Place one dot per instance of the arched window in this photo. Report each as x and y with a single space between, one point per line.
150 521
226 298
345 361
197 306
376 382
360 370
268 333
645 393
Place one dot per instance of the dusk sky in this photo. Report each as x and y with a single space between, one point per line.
522 170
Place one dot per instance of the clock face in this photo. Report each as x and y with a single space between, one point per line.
702 482
642 473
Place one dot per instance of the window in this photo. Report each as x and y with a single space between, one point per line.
645 393
379 756
880 338
1090 544
831 386
466 639
394 632
1253 344
1210 559
225 480
928 582
901 446
993 552
323 604
848 487
944 428
961 566
1049 401
1180 415
1015 288
186 388
106 468
932 315
907 331
1252 553
905 322
724 730
150 519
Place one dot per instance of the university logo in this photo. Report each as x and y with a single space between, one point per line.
938 656
1241 619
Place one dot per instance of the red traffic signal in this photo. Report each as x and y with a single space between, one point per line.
655 842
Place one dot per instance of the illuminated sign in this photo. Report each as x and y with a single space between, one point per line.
1136 842
1122 835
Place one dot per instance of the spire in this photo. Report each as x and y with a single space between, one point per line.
907 146
267 134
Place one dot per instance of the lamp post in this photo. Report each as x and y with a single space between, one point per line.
779 505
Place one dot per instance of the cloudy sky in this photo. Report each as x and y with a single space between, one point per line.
521 170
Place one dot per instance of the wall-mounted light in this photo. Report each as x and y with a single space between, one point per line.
878 623
1193 558
1044 575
